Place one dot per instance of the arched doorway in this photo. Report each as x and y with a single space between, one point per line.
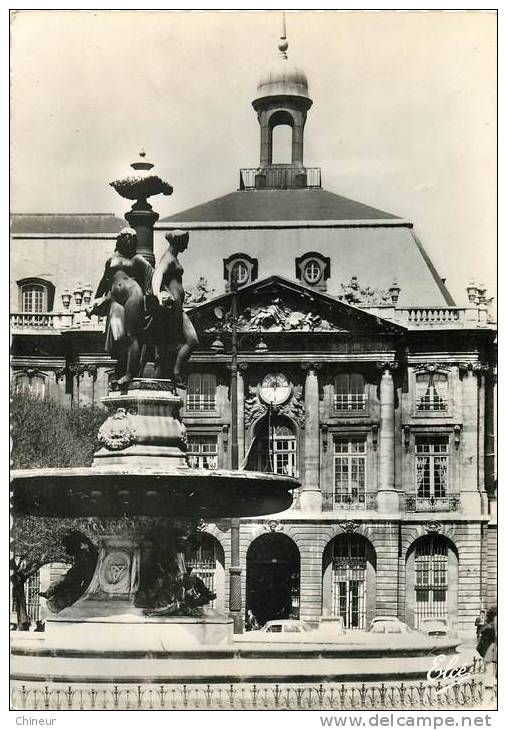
431 580
349 580
272 578
207 561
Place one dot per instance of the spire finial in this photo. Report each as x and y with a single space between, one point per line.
283 45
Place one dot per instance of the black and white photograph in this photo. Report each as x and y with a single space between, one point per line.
253 363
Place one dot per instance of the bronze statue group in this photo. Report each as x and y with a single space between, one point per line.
144 310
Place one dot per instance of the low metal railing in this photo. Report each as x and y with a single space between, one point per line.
280 178
245 696
447 503
339 501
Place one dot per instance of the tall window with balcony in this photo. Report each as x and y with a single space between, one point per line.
202 451
431 391
201 392
349 393
431 472
349 488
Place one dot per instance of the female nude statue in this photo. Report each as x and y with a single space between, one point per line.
120 294
176 337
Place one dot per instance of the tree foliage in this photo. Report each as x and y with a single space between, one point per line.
48 434
45 434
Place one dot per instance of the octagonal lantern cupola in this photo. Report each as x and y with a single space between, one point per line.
282 99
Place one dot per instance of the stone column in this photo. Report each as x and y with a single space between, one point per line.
468 450
265 156
387 499
489 434
235 602
241 410
310 488
297 143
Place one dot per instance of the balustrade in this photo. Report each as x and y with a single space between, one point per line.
447 503
338 501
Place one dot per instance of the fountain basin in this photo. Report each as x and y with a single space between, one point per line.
129 490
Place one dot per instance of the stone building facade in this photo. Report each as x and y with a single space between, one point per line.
357 373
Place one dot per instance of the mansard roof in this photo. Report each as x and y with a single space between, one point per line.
301 309
309 204
61 223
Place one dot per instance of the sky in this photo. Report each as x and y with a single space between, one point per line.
403 115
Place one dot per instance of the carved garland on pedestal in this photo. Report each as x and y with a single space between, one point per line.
118 431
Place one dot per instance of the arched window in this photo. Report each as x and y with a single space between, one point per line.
207 562
349 392
431 578
33 298
431 391
34 384
275 448
349 580
240 269
201 392
313 269
35 295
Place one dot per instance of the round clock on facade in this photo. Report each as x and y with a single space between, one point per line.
275 389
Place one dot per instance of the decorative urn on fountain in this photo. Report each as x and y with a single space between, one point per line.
141 184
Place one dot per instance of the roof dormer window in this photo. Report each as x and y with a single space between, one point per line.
239 270
313 270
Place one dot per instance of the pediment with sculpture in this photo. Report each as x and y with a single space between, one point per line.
277 305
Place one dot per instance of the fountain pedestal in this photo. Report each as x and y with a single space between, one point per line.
106 617
144 426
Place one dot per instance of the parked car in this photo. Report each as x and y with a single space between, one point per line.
280 631
287 626
435 627
388 625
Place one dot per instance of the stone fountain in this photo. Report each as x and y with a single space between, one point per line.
140 506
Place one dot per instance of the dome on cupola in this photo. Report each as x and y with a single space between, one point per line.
283 78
